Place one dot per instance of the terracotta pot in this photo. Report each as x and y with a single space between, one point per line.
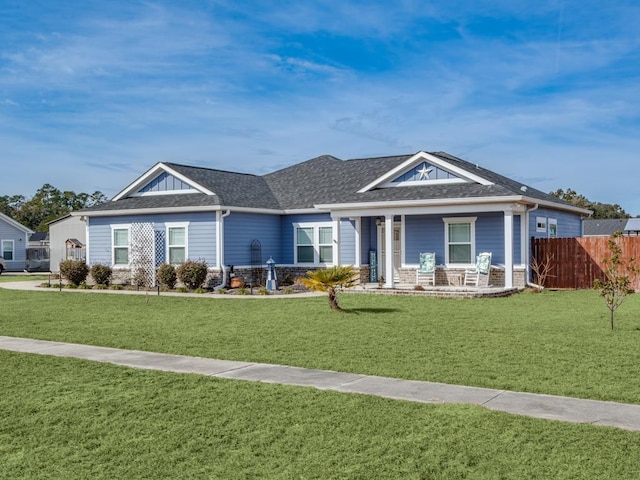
237 282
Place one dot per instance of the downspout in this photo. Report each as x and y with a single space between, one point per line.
221 251
528 271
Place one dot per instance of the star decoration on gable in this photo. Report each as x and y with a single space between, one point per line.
424 172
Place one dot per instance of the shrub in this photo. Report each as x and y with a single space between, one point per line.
288 290
101 274
167 276
263 291
101 287
85 286
117 287
200 290
182 290
76 271
241 291
45 285
192 273
222 291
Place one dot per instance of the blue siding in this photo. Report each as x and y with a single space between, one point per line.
286 229
20 242
569 224
165 183
201 242
367 226
347 242
240 229
425 233
517 246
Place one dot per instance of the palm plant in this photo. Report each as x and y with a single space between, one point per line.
330 280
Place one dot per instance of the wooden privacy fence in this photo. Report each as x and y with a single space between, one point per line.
577 262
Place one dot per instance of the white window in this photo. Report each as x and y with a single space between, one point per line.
313 244
8 249
541 224
459 238
120 245
553 228
177 234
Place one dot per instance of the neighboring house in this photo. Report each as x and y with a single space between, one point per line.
377 214
67 238
605 227
38 252
14 238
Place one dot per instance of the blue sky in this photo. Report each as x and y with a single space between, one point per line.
93 93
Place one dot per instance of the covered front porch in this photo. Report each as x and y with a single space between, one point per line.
455 234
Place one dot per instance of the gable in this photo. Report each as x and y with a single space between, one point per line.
165 183
425 173
423 169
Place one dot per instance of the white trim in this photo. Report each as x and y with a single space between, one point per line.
472 233
523 239
165 192
13 249
365 208
335 238
540 221
169 225
389 230
87 243
508 249
552 222
15 224
418 183
402 241
121 226
315 243
210 208
152 173
420 157
358 247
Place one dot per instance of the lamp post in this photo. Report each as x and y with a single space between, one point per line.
272 280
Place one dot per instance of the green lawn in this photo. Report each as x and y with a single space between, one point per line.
555 342
72 419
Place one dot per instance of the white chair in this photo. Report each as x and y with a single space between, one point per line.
479 275
426 272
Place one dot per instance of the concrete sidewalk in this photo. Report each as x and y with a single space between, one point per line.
624 416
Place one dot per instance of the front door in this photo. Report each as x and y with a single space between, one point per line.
397 254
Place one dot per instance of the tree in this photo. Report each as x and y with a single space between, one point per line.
600 210
330 280
46 205
617 283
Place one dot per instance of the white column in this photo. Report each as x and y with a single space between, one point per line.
358 249
524 241
388 239
336 240
508 249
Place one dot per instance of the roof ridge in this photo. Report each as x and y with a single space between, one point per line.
210 169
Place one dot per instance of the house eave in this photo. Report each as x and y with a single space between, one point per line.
145 211
15 224
152 173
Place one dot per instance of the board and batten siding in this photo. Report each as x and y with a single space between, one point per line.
201 243
240 229
20 241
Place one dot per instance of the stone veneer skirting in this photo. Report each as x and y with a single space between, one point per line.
288 275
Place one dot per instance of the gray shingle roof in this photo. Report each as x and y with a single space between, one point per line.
322 180
603 226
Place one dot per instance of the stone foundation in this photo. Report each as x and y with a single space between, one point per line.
455 277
